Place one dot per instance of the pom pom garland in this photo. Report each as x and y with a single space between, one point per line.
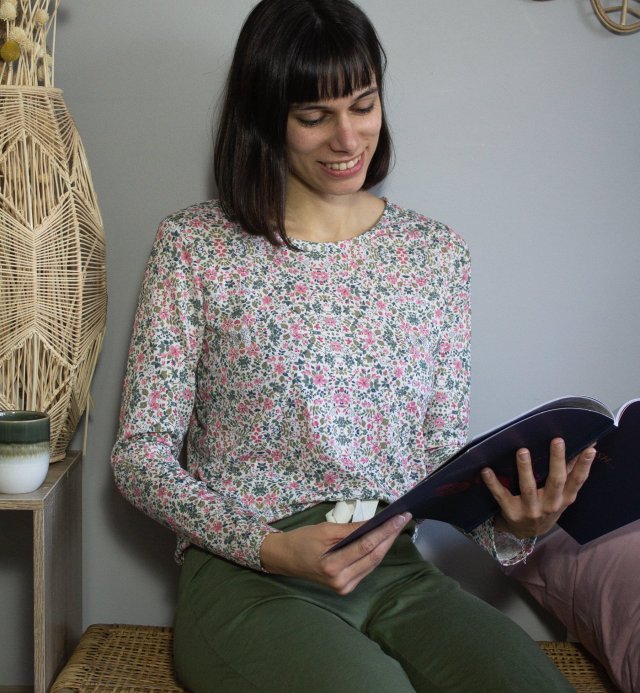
10 51
8 11
24 29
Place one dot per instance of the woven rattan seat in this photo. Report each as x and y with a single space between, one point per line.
120 658
582 671
137 659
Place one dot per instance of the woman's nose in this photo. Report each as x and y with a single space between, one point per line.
344 136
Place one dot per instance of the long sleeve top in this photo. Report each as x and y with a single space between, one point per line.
338 371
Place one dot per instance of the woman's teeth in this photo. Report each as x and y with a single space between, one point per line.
343 165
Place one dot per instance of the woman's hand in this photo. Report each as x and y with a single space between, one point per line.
301 552
535 511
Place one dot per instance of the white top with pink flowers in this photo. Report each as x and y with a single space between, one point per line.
337 371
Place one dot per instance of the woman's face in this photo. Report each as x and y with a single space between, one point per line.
330 143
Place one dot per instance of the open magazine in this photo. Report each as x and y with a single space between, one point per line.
455 492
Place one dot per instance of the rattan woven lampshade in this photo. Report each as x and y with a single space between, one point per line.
52 258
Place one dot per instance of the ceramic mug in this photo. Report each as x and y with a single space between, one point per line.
24 450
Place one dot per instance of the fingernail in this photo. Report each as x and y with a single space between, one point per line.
401 520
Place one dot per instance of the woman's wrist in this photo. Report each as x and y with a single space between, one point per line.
270 552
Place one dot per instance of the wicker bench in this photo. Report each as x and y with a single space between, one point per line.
137 659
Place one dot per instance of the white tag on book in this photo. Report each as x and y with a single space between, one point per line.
352 511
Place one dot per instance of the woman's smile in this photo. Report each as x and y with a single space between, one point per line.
341 169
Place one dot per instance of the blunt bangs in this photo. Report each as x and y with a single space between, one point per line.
331 68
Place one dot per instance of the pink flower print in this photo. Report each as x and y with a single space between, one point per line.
268 404
243 271
335 346
364 382
440 397
412 408
248 320
439 422
253 350
248 499
392 278
319 275
416 353
344 292
330 479
267 300
155 400
382 307
319 379
218 245
367 338
175 352
300 289
445 348
297 331
347 462
342 398
279 368
185 256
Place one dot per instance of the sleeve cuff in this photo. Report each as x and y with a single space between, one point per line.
509 549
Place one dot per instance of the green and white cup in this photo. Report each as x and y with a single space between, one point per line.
24 450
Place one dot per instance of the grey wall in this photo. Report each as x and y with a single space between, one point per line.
515 121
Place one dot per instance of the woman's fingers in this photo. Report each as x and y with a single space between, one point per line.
349 565
579 473
536 510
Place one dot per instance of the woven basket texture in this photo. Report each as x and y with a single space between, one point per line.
582 671
137 659
120 658
52 262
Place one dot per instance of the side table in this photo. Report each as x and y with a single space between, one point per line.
57 565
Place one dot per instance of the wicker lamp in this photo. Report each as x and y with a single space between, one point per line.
52 256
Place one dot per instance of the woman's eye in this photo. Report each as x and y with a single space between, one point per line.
363 110
309 122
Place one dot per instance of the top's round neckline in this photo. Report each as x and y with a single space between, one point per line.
354 240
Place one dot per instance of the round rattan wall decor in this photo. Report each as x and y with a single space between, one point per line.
621 18
52 253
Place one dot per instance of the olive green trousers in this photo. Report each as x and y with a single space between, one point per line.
406 627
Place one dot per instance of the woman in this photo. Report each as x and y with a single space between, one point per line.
311 340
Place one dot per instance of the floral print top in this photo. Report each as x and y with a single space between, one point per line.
339 371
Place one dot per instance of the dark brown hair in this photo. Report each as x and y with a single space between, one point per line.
289 51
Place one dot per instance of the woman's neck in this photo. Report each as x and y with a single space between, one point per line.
331 219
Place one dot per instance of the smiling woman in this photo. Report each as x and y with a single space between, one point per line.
311 342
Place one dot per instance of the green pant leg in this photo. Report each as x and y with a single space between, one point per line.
240 631
448 640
